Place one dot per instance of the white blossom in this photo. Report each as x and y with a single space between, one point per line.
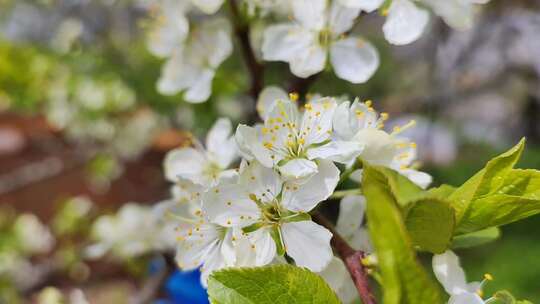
32 235
192 66
359 123
205 166
276 210
452 277
133 231
289 139
170 28
319 30
406 20
199 242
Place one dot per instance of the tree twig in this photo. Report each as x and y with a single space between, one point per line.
255 68
353 261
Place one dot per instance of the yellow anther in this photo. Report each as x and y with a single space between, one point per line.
268 145
488 277
301 141
385 12
368 103
359 113
384 116
293 96
264 131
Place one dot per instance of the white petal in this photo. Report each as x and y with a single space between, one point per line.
228 247
264 246
341 18
184 162
214 261
214 41
379 147
449 272
298 168
458 14
366 5
208 6
168 34
251 146
220 143
260 180
310 60
308 244
310 13
351 214
282 42
335 274
230 206
317 120
304 197
422 179
354 59
405 22
466 298
195 246
339 151
176 75
357 175
201 89
267 99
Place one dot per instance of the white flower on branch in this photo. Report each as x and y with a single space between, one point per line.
193 65
452 277
319 29
289 139
133 231
170 28
406 21
276 211
359 123
205 166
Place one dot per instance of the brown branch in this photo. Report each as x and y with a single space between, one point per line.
255 68
353 261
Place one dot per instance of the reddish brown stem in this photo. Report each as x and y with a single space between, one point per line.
255 68
353 261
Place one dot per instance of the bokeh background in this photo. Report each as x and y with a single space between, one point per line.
83 130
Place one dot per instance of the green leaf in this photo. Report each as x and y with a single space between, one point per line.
487 180
443 191
476 238
430 223
497 210
402 188
404 281
279 284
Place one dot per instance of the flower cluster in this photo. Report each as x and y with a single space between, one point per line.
195 39
259 212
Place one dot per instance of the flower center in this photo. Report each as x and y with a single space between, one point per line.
325 36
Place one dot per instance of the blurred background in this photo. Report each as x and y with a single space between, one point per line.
83 133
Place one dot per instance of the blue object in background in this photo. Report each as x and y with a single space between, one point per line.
184 287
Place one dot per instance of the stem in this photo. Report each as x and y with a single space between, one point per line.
343 193
255 68
353 261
